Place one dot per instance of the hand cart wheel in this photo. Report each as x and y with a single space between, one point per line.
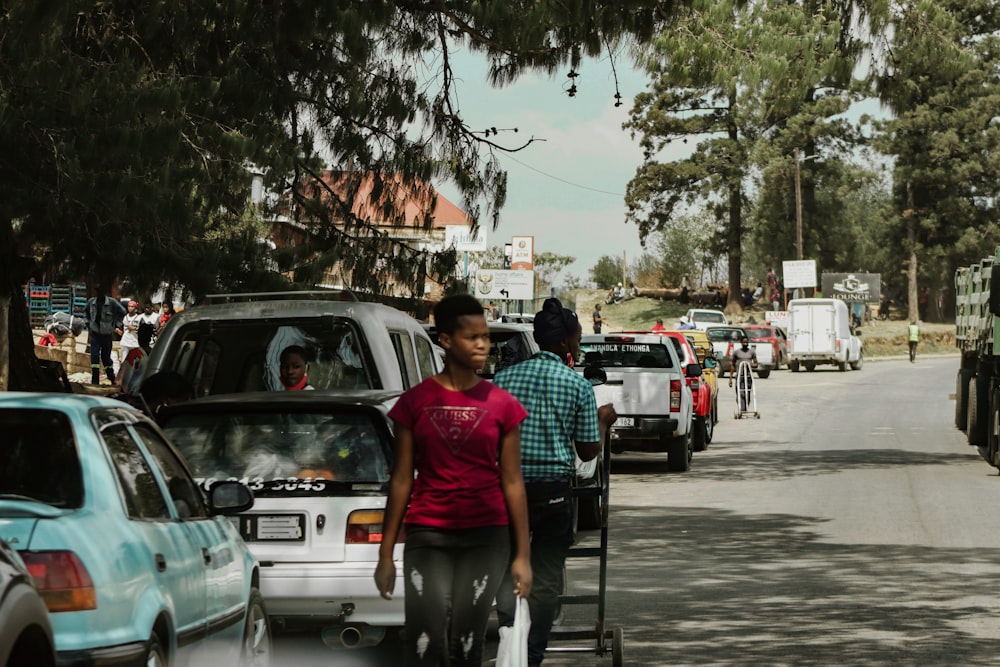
618 648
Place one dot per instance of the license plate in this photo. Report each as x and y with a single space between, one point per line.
272 527
625 422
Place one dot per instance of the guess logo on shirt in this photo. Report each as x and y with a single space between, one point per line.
455 425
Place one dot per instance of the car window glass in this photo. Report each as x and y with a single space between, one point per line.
184 493
759 334
272 451
628 355
143 498
404 355
425 357
239 356
38 458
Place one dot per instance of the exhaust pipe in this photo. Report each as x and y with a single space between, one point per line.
354 636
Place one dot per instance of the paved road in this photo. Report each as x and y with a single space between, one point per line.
850 525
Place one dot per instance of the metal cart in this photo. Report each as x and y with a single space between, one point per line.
746 393
606 640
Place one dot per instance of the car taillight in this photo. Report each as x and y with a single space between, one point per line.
365 527
729 350
838 345
62 580
675 394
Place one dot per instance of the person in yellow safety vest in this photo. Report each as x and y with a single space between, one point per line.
914 331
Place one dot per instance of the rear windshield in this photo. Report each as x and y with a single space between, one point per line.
710 317
626 355
282 453
239 356
724 335
760 334
38 458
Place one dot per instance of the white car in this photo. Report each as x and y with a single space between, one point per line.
702 318
318 463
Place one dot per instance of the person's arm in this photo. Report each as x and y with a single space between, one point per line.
517 508
606 416
400 487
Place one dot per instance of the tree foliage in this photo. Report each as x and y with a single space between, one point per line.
607 272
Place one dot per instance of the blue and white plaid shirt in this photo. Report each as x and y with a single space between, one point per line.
561 411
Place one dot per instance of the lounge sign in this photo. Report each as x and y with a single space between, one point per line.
853 287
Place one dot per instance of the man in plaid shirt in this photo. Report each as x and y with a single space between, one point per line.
563 421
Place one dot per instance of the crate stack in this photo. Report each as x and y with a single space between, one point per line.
61 299
79 301
38 304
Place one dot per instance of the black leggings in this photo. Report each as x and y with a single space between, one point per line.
451 578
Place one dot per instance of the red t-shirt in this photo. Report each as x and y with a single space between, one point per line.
456 439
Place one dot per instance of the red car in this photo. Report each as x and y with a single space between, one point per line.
765 333
705 408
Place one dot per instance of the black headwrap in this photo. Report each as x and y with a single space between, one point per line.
554 323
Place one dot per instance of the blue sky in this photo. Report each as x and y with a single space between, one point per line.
568 190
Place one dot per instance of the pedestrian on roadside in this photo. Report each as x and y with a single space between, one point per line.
148 324
775 299
461 435
658 327
563 422
130 331
104 314
168 312
598 320
914 337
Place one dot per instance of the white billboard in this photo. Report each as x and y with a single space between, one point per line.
504 284
799 273
463 240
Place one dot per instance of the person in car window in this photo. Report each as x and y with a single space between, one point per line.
294 368
563 420
461 435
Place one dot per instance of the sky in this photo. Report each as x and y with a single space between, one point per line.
567 189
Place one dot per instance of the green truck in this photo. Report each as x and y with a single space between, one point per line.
977 390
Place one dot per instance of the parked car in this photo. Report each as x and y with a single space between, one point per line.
647 384
318 463
235 346
702 318
724 340
705 401
709 363
25 630
135 565
765 334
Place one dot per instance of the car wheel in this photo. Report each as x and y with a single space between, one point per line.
842 366
856 366
590 508
793 366
764 374
256 633
699 441
155 655
679 453
810 367
710 427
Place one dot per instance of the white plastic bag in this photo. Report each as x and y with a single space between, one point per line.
513 648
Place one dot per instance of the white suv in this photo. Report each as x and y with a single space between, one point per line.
235 346
647 385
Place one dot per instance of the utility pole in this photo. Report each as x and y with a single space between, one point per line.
798 207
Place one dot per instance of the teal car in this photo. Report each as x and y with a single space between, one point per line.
136 565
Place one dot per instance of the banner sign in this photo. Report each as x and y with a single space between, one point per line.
799 273
522 254
853 287
463 239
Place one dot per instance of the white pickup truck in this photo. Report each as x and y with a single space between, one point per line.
647 385
725 340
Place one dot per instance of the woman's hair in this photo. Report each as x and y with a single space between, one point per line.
450 308
295 349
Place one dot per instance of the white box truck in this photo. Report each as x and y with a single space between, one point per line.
819 332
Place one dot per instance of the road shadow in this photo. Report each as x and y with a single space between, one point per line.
711 587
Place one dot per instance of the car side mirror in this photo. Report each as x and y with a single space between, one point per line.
229 497
692 371
595 375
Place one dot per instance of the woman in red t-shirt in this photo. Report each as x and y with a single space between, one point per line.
461 435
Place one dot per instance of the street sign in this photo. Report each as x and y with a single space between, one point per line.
799 273
522 255
503 284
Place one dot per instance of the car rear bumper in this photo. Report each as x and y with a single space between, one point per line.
650 434
123 655
319 590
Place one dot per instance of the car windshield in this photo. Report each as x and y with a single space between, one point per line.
710 317
38 458
626 355
760 334
267 450
724 335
